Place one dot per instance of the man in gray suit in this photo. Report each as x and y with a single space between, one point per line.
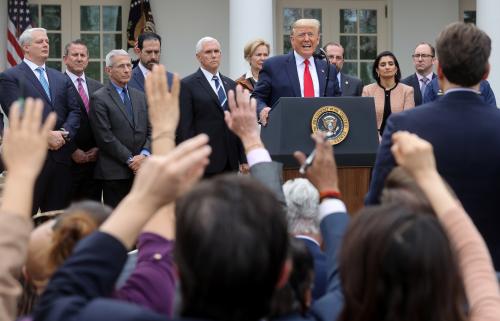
84 156
349 85
119 120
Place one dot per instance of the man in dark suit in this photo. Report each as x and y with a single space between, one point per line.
31 78
76 59
296 74
424 58
462 128
148 49
119 120
349 85
203 101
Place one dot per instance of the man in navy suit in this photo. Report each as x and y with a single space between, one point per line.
424 58
32 78
203 100
462 128
148 49
84 156
296 74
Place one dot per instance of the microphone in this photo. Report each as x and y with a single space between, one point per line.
321 54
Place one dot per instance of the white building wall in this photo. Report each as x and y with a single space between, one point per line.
182 23
415 21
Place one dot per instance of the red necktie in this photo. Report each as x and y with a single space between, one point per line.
308 81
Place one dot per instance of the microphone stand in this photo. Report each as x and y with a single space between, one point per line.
322 55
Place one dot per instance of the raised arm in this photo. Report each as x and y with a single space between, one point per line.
481 286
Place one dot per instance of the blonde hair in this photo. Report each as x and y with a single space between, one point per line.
306 23
251 46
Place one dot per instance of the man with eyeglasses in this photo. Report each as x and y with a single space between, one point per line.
349 85
424 58
119 120
296 74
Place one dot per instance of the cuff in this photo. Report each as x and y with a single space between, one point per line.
145 152
258 155
331 206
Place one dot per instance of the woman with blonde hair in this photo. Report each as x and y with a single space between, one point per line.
255 52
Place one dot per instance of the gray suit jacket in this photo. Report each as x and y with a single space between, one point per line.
270 175
351 86
117 136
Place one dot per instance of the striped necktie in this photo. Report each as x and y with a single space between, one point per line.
43 81
220 91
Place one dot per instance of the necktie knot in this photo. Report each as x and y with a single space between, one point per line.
79 80
306 62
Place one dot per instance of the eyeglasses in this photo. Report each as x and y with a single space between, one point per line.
423 56
336 57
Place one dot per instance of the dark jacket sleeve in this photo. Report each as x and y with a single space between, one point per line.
269 174
72 122
262 90
487 93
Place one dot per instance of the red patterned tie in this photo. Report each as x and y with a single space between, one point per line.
83 94
308 82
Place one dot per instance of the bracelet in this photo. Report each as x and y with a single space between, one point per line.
165 134
329 193
253 146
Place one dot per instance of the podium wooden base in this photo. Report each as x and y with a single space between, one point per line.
353 183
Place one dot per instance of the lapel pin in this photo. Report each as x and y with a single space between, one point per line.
347 82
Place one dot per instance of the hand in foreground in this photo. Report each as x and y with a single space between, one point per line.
163 105
264 115
24 152
56 139
25 141
323 171
159 181
413 154
242 120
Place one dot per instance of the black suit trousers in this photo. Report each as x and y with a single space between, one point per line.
53 187
85 187
113 191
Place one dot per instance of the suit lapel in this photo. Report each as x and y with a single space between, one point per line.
293 76
30 75
208 88
226 88
321 72
119 103
139 76
135 105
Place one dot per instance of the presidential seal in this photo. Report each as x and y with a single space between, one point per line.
333 122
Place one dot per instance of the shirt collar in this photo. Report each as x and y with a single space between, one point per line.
145 71
299 59
249 75
452 90
420 77
118 88
32 65
74 77
209 75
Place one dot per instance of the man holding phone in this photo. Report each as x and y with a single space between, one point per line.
32 78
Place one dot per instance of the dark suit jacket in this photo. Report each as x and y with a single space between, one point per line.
21 82
350 86
84 138
464 132
117 136
137 80
278 78
201 113
413 81
320 268
432 92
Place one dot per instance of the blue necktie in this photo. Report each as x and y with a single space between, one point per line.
43 81
128 104
220 91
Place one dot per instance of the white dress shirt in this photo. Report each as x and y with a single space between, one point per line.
312 70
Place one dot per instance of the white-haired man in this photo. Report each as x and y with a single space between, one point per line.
203 102
119 119
32 78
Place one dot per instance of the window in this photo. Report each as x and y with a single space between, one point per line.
100 24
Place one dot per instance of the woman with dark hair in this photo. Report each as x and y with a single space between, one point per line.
255 52
391 96
397 264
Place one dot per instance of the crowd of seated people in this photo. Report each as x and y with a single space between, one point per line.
233 247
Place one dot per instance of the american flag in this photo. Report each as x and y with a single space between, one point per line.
19 20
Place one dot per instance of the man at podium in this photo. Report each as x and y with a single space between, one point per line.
296 74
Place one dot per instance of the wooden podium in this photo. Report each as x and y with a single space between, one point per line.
289 130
